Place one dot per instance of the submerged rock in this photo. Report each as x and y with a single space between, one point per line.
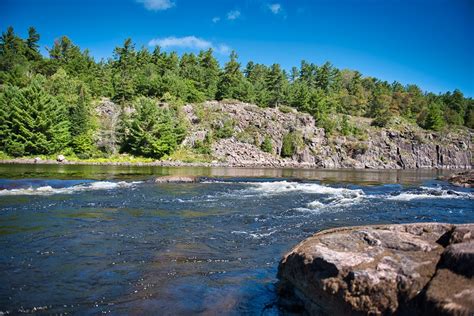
176 179
416 269
462 179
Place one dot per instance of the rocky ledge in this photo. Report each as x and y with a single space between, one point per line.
463 179
176 179
411 269
401 145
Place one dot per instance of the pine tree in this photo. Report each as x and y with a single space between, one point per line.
256 75
9 92
231 80
124 64
324 77
275 81
209 73
14 66
308 74
32 44
39 124
267 145
81 124
434 119
294 74
346 128
154 132
299 96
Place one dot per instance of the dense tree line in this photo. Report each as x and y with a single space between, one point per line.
46 102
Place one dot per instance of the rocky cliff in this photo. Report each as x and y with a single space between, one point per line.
412 269
401 146
234 133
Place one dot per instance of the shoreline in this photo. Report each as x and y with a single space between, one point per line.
32 161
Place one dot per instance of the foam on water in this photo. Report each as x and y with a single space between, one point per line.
278 187
330 197
341 200
49 190
254 235
430 193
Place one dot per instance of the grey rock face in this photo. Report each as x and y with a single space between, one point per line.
415 269
409 148
109 116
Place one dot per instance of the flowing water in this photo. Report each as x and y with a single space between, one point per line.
93 240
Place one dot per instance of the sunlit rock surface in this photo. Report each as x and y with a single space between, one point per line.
405 147
416 269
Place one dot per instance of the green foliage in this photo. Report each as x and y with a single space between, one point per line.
249 135
209 74
204 147
46 102
469 116
123 75
267 145
285 109
153 131
346 129
275 82
291 143
349 129
37 121
381 119
224 128
232 84
434 119
189 156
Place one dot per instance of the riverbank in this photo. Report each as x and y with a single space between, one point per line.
235 134
169 163
137 162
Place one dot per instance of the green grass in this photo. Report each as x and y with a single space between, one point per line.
189 156
113 158
181 154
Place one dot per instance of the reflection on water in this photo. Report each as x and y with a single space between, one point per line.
141 172
105 240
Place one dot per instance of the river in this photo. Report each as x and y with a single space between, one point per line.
106 239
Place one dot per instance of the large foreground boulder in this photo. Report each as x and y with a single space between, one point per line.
411 269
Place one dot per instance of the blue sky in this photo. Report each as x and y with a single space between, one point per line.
429 43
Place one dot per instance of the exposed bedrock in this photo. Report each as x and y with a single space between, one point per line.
410 269
405 146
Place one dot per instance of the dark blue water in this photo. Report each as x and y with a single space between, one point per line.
122 244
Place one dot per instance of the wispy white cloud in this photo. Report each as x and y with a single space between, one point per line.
275 8
189 42
233 15
216 19
222 49
157 5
